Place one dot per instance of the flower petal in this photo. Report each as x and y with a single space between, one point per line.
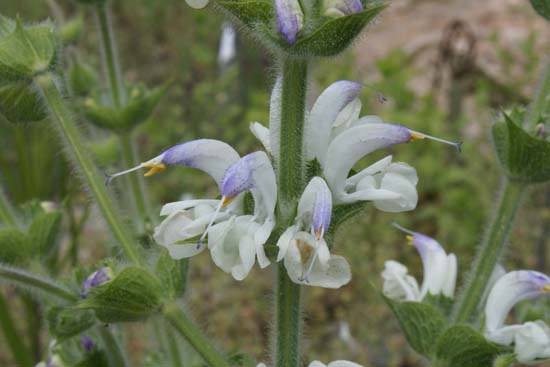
315 206
448 287
398 285
262 134
284 241
247 255
353 144
402 185
511 289
343 364
170 208
197 4
532 342
275 119
184 250
290 19
323 115
376 167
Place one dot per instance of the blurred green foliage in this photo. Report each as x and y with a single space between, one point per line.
165 40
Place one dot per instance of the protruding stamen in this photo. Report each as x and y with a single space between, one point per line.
546 288
403 229
154 168
319 233
110 178
223 203
415 135
381 97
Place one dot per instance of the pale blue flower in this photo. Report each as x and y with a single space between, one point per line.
290 19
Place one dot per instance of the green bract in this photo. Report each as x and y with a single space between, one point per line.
172 274
140 106
463 346
19 102
14 247
82 79
524 157
134 294
64 323
26 51
71 31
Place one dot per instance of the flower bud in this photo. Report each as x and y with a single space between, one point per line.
340 8
82 78
26 51
134 294
71 31
19 102
64 323
290 19
95 279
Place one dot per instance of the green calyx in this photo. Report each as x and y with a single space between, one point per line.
134 294
139 108
26 51
321 36
524 157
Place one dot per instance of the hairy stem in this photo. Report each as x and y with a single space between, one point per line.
114 352
109 54
181 322
173 351
21 278
62 118
491 250
288 323
16 345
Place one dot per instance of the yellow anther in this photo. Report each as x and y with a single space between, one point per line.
227 201
154 168
417 136
409 240
318 233
546 288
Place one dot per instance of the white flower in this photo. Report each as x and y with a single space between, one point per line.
236 240
337 138
197 4
306 255
532 339
339 363
227 50
440 272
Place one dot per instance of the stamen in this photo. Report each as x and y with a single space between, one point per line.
546 288
415 135
403 229
110 178
381 98
154 168
223 202
318 233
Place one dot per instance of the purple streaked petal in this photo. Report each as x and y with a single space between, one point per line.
289 19
87 343
208 155
510 289
239 177
322 210
349 6
96 278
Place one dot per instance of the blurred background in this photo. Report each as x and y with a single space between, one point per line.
446 67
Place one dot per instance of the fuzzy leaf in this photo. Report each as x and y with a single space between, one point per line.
14 247
64 323
542 7
334 36
524 157
20 103
505 360
132 295
172 274
443 303
249 11
26 52
462 346
43 232
421 323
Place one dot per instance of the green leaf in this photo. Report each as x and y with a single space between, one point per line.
421 323
28 51
96 358
64 323
443 303
334 36
44 231
132 295
542 7
19 102
82 79
14 247
172 274
539 110
462 346
249 12
524 157
505 360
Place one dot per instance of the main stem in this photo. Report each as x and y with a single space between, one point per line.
288 322
110 63
61 116
179 320
20 353
491 249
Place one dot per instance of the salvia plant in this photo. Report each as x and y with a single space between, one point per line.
279 207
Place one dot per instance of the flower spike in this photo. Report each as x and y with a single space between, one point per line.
208 155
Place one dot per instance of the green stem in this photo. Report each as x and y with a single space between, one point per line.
288 322
136 181
110 56
491 250
115 356
6 211
18 350
179 320
173 350
61 116
293 104
21 278
539 104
